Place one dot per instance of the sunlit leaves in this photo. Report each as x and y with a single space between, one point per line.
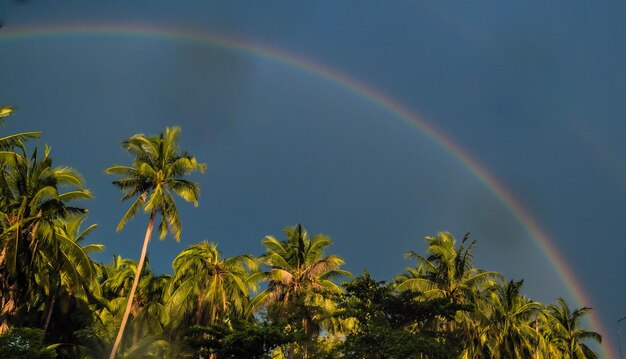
208 289
156 174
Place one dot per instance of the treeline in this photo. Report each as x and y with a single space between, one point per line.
294 301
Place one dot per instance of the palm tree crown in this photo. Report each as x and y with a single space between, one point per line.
207 288
156 174
448 271
510 316
567 332
300 277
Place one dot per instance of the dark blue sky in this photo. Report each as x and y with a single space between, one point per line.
536 92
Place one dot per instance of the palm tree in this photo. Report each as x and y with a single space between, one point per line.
8 160
300 280
71 272
564 324
448 272
116 280
80 278
153 179
511 321
147 315
206 288
30 208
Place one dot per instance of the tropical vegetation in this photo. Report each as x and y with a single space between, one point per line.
295 300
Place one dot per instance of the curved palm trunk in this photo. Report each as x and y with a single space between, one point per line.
131 296
49 315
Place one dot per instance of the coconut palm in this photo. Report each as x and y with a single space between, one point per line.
207 289
147 315
564 325
148 311
153 179
448 271
300 280
72 273
31 205
116 279
511 322
8 159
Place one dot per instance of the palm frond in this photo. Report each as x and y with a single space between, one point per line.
68 176
75 195
187 190
17 140
122 171
130 213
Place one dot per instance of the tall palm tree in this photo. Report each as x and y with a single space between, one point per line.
300 280
153 179
207 288
564 324
31 205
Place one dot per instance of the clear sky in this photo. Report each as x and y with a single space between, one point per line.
534 92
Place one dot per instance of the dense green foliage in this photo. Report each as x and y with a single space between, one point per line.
20 343
294 301
395 324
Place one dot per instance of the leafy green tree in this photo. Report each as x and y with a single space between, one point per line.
241 340
153 179
394 324
564 325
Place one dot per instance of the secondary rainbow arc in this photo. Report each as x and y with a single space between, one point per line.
356 87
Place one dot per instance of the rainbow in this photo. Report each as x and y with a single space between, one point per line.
356 87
